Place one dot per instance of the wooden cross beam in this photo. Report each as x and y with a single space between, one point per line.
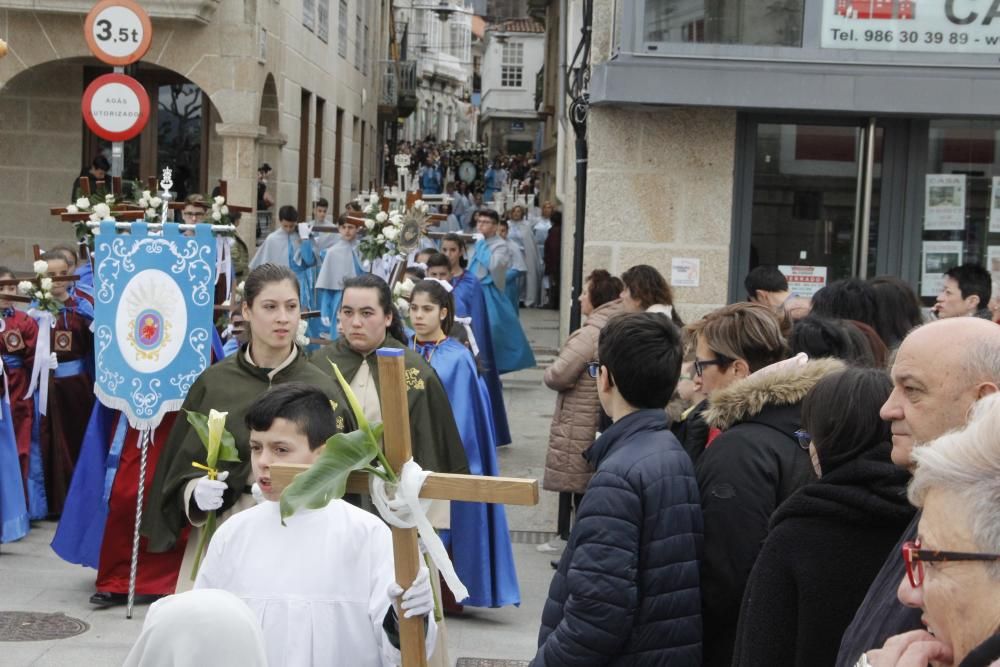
440 486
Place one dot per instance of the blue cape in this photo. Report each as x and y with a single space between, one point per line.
470 302
480 541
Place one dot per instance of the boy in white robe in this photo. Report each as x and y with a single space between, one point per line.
340 262
292 245
323 586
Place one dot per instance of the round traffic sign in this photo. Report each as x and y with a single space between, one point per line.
118 32
115 107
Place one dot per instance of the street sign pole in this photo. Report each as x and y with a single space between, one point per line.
118 147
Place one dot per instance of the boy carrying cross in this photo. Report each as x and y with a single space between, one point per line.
323 586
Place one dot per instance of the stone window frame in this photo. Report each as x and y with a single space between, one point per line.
342 30
323 20
309 15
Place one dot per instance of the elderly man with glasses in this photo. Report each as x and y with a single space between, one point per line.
941 370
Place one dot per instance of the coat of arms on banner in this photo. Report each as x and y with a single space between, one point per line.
153 307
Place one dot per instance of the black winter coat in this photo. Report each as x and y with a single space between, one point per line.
743 475
626 590
826 544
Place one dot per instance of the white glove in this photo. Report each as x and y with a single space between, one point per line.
53 361
418 600
257 494
208 492
304 230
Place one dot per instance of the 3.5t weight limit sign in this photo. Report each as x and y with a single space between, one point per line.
118 31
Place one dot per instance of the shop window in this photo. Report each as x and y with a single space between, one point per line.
961 200
749 22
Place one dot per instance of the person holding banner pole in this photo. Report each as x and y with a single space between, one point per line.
182 494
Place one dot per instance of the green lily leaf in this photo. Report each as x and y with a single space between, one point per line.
227 449
326 479
359 414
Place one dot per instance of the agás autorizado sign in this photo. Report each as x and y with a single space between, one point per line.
115 107
932 26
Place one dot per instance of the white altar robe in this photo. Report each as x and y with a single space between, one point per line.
318 585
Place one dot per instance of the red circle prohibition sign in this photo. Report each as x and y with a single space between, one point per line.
103 101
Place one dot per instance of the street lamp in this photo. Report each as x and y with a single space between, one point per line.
443 9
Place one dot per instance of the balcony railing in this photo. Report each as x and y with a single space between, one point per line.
399 87
192 10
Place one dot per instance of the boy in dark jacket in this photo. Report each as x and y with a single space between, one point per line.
627 588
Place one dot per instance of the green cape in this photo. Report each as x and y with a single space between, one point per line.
230 386
437 445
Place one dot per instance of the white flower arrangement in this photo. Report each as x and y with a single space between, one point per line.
401 293
40 289
83 203
383 228
220 212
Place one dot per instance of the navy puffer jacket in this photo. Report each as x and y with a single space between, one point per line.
626 591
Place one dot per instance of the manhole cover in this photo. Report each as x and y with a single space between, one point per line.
28 626
489 662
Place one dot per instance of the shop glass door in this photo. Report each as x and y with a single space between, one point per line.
815 201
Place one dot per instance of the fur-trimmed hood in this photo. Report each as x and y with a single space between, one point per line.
786 386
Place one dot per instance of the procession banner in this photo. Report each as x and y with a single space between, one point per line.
929 26
152 317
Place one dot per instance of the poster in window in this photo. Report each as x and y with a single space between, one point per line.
938 258
995 205
685 272
944 202
804 281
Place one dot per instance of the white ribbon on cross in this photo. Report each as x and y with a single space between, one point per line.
407 510
43 358
467 323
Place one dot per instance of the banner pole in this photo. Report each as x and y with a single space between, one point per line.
144 438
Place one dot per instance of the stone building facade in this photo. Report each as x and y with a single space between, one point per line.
236 83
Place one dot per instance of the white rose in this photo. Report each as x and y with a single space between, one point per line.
390 233
143 203
25 287
374 198
47 296
72 209
146 194
103 211
94 217
216 216
220 200
151 213
83 203
225 210
382 216
46 284
40 266
109 198
419 204
396 219
156 202
380 238
369 224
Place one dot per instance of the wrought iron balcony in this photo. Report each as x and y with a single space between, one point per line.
398 93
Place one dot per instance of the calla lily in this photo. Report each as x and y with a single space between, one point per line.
216 427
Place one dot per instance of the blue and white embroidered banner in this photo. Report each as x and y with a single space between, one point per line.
153 313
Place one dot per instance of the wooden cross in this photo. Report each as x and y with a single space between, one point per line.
20 298
439 486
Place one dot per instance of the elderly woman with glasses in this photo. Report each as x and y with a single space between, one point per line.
756 463
953 567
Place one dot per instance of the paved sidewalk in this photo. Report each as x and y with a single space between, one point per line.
34 579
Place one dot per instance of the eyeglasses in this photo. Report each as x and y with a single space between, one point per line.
699 364
915 557
592 368
804 438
